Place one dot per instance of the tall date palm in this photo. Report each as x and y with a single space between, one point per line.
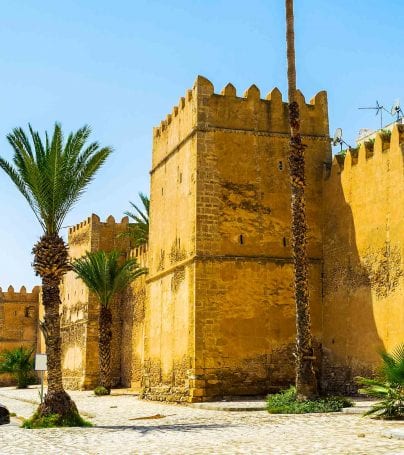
306 383
105 275
138 231
52 175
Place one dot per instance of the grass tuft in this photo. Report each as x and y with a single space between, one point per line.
55 420
286 403
100 391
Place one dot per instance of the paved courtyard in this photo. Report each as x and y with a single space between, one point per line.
126 425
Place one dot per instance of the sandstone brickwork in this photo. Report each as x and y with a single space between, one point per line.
80 309
132 312
214 317
220 316
18 321
363 259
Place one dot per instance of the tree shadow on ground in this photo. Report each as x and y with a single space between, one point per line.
144 429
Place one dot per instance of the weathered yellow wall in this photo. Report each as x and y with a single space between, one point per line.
80 309
215 314
363 260
133 315
220 316
245 318
169 315
18 321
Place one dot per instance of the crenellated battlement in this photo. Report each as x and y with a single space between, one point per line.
21 296
203 110
95 220
204 88
385 147
140 253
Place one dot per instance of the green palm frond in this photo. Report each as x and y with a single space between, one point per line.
105 275
393 365
138 230
20 364
53 174
15 360
389 386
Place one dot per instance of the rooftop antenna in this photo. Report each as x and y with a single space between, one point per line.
379 110
337 139
396 110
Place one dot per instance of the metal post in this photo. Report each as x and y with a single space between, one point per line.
41 386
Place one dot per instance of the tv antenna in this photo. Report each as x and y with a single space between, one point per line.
396 110
379 110
337 139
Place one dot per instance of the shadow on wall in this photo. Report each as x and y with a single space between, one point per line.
362 268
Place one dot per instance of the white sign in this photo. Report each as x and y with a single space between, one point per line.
40 362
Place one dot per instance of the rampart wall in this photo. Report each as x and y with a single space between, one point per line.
18 321
133 310
80 309
363 259
221 315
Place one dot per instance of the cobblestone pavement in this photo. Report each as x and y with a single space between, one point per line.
123 425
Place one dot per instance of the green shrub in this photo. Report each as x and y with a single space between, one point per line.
385 134
286 403
388 386
20 364
54 421
369 144
101 391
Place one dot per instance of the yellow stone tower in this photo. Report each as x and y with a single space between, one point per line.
220 314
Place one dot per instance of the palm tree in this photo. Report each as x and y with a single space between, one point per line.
306 383
388 386
105 275
19 363
138 230
52 175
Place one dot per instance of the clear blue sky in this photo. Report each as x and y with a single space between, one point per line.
121 65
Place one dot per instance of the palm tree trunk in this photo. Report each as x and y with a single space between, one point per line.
105 321
56 401
51 263
306 383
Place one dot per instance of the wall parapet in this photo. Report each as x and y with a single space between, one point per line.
390 147
21 296
202 109
95 220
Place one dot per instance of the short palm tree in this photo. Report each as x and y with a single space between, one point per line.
18 362
52 175
138 230
306 383
388 386
106 275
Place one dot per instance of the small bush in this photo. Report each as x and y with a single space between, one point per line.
286 403
386 135
369 144
20 364
54 421
100 391
388 386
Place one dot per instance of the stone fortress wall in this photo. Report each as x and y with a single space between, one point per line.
363 286
215 315
220 274
80 309
18 321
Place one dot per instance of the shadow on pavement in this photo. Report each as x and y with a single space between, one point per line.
152 428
